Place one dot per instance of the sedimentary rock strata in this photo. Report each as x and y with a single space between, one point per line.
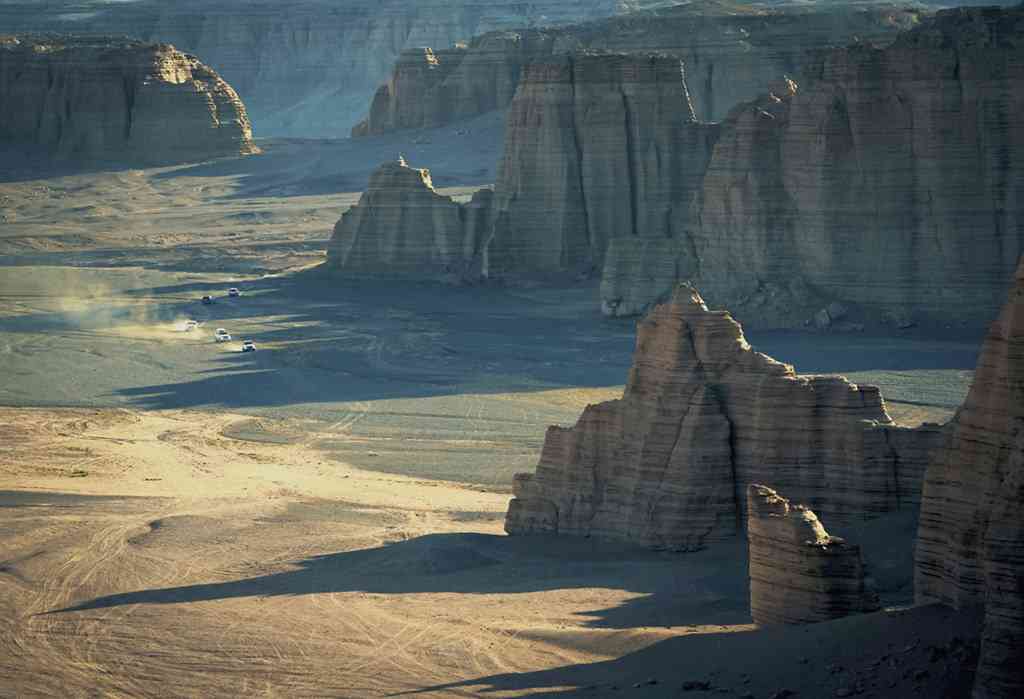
704 416
304 68
117 100
402 227
730 53
799 574
970 547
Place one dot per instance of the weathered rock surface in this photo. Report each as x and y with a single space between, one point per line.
401 227
703 417
970 547
304 68
730 51
117 100
799 574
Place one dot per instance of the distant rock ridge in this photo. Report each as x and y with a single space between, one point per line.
402 227
799 573
117 100
703 417
970 546
730 51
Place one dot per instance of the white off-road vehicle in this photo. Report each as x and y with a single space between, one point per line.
221 335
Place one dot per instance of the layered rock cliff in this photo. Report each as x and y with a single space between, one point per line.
970 547
306 68
730 51
799 574
401 227
117 100
703 417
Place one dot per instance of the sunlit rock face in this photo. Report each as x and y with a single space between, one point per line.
799 574
117 100
970 547
305 68
401 227
703 417
730 52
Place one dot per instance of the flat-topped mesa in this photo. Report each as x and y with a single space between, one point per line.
799 574
731 51
597 146
402 227
702 417
117 100
970 546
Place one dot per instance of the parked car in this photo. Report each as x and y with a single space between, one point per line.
191 325
207 300
233 291
221 335
248 346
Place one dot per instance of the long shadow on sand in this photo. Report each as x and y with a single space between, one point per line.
707 587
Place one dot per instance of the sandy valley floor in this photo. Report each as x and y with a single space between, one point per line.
324 517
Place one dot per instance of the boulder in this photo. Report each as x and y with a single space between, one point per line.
704 416
799 574
117 100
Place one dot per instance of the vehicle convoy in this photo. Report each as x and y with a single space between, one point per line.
248 346
221 335
234 292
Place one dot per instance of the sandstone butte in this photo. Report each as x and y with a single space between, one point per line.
608 170
799 573
117 100
731 52
702 418
304 67
401 226
970 545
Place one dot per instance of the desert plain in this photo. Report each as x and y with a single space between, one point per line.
323 517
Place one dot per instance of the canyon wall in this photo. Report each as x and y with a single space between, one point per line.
305 68
970 547
401 227
730 52
799 574
703 417
117 100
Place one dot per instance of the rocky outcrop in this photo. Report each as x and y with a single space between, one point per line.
891 180
401 227
597 146
970 547
730 52
703 417
799 574
304 68
104 99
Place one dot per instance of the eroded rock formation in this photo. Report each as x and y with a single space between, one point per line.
730 53
704 416
307 67
970 547
799 574
117 100
401 227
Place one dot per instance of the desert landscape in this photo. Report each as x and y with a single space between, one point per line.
545 395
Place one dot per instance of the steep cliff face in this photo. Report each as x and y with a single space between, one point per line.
892 179
597 146
730 52
117 100
306 68
401 227
970 547
703 417
799 574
